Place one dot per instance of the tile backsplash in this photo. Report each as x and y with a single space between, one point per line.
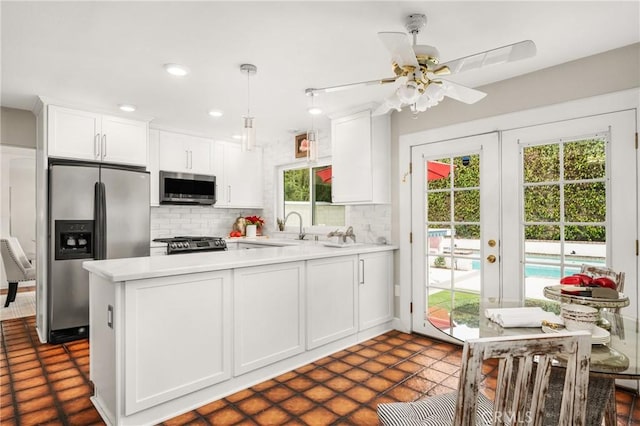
172 221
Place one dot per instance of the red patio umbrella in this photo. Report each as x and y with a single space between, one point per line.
325 174
437 170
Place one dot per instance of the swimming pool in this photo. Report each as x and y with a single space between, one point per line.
547 271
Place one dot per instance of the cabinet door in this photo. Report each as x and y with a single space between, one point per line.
351 158
124 141
268 314
239 176
199 155
73 134
375 288
184 153
164 318
331 299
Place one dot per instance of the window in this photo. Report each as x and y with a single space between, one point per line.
307 191
564 208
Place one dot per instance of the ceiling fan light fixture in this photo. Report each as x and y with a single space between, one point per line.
408 93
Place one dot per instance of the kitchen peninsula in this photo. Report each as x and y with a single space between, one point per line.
172 333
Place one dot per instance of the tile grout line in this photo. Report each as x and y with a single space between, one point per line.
14 400
56 401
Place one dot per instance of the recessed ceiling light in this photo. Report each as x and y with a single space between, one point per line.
236 136
176 69
216 113
127 107
314 110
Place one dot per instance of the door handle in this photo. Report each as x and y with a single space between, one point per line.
361 271
104 146
491 258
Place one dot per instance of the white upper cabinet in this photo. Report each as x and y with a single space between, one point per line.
361 159
83 135
238 176
185 153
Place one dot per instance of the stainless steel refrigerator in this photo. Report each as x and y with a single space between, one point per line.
96 211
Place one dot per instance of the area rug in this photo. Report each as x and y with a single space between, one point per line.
23 306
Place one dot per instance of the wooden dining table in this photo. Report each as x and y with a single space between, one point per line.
618 359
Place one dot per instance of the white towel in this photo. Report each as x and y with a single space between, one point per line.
521 317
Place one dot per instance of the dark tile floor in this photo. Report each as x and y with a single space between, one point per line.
49 384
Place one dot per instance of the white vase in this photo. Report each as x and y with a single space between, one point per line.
250 230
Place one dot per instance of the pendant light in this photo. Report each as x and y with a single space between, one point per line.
248 129
312 135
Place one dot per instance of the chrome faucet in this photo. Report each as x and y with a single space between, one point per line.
301 234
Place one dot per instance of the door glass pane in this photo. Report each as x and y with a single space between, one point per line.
453 239
542 203
585 202
584 159
541 163
564 220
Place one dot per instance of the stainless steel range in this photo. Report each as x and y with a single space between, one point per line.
178 245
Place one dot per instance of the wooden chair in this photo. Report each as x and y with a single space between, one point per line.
524 370
600 271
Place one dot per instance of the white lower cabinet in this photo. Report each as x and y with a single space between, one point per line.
154 340
166 323
268 314
331 299
375 288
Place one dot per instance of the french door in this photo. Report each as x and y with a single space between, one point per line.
514 211
455 192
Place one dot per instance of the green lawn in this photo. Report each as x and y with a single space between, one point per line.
466 306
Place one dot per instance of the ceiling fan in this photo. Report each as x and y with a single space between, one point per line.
418 70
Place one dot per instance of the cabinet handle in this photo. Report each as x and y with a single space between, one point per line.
96 145
191 159
110 316
186 152
104 146
229 194
361 272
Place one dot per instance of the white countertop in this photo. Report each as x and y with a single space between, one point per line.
136 268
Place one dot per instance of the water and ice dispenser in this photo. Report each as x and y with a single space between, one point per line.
74 239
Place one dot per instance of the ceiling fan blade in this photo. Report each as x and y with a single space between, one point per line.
509 53
399 47
313 91
462 93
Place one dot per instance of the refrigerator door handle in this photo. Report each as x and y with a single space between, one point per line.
97 220
100 222
103 225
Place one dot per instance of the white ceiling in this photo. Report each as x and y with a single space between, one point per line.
102 54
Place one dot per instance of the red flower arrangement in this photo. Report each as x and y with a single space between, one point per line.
254 220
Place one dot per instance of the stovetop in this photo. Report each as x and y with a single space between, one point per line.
188 244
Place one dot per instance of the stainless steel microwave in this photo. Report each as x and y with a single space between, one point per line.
187 188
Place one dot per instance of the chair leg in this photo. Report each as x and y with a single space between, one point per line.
11 295
610 407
